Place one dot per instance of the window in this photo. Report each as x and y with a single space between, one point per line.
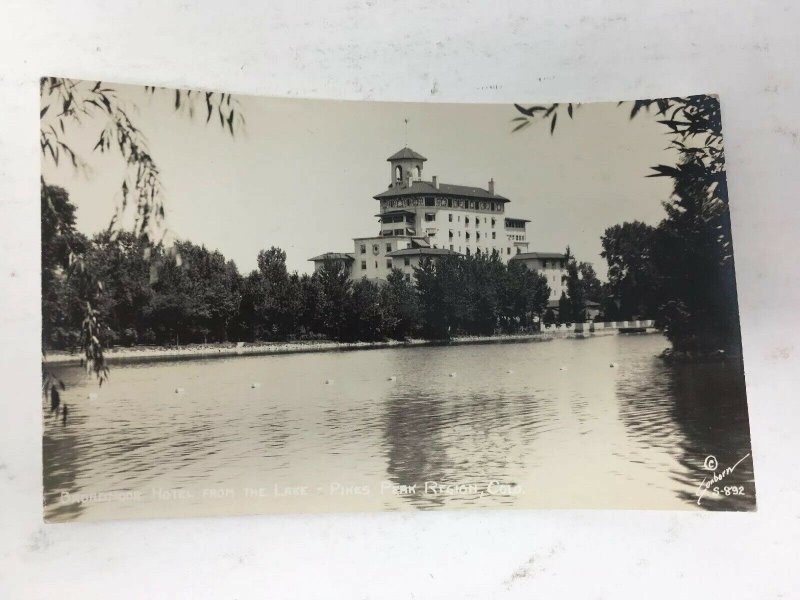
376 264
375 248
363 265
508 250
398 173
466 221
477 236
544 264
450 217
450 205
492 209
478 222
406 261
466 235
389 247
429 201
494 221
472 204
430 217
494 235
450 234
388 263
518 250
363 248
451 247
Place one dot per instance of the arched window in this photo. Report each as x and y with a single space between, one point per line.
398 173
418 172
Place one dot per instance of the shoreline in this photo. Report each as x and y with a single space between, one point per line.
226 350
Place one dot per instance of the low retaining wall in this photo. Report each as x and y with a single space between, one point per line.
604 326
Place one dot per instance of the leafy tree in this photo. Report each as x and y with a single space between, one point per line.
368 316
401 306
632 279
701 316
196 297
592 287
62 312
575 293
524 295
337 295
121 262
694 259
281 304
312 309
67 105
436 316
564 309
251 321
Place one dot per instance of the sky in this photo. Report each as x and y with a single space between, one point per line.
303 173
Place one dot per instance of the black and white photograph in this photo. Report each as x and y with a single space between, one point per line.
258 305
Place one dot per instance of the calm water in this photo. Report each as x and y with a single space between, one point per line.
563 429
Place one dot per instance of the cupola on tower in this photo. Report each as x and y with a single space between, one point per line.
406 167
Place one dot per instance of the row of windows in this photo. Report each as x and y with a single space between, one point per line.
396 218
478 250
516 238
443 202
376 247
554 264
406 262
467 234
466 220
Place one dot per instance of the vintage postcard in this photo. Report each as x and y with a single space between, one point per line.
261 305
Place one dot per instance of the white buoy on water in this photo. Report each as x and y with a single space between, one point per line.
452 374
255 385
328 381
612 365
392 378
562 368
179 390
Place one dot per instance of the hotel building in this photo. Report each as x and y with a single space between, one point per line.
427 218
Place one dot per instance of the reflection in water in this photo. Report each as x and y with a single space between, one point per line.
554 419
690 412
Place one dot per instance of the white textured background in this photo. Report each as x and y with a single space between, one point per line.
747 51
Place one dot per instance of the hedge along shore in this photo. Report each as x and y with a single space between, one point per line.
223 350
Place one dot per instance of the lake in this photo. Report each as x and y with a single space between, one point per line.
599 422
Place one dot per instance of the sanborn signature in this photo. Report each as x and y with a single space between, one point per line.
711 464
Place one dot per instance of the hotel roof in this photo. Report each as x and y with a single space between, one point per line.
406 153
444 189
523 255
333 256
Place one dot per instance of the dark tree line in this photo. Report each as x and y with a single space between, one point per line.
681 272
146 294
